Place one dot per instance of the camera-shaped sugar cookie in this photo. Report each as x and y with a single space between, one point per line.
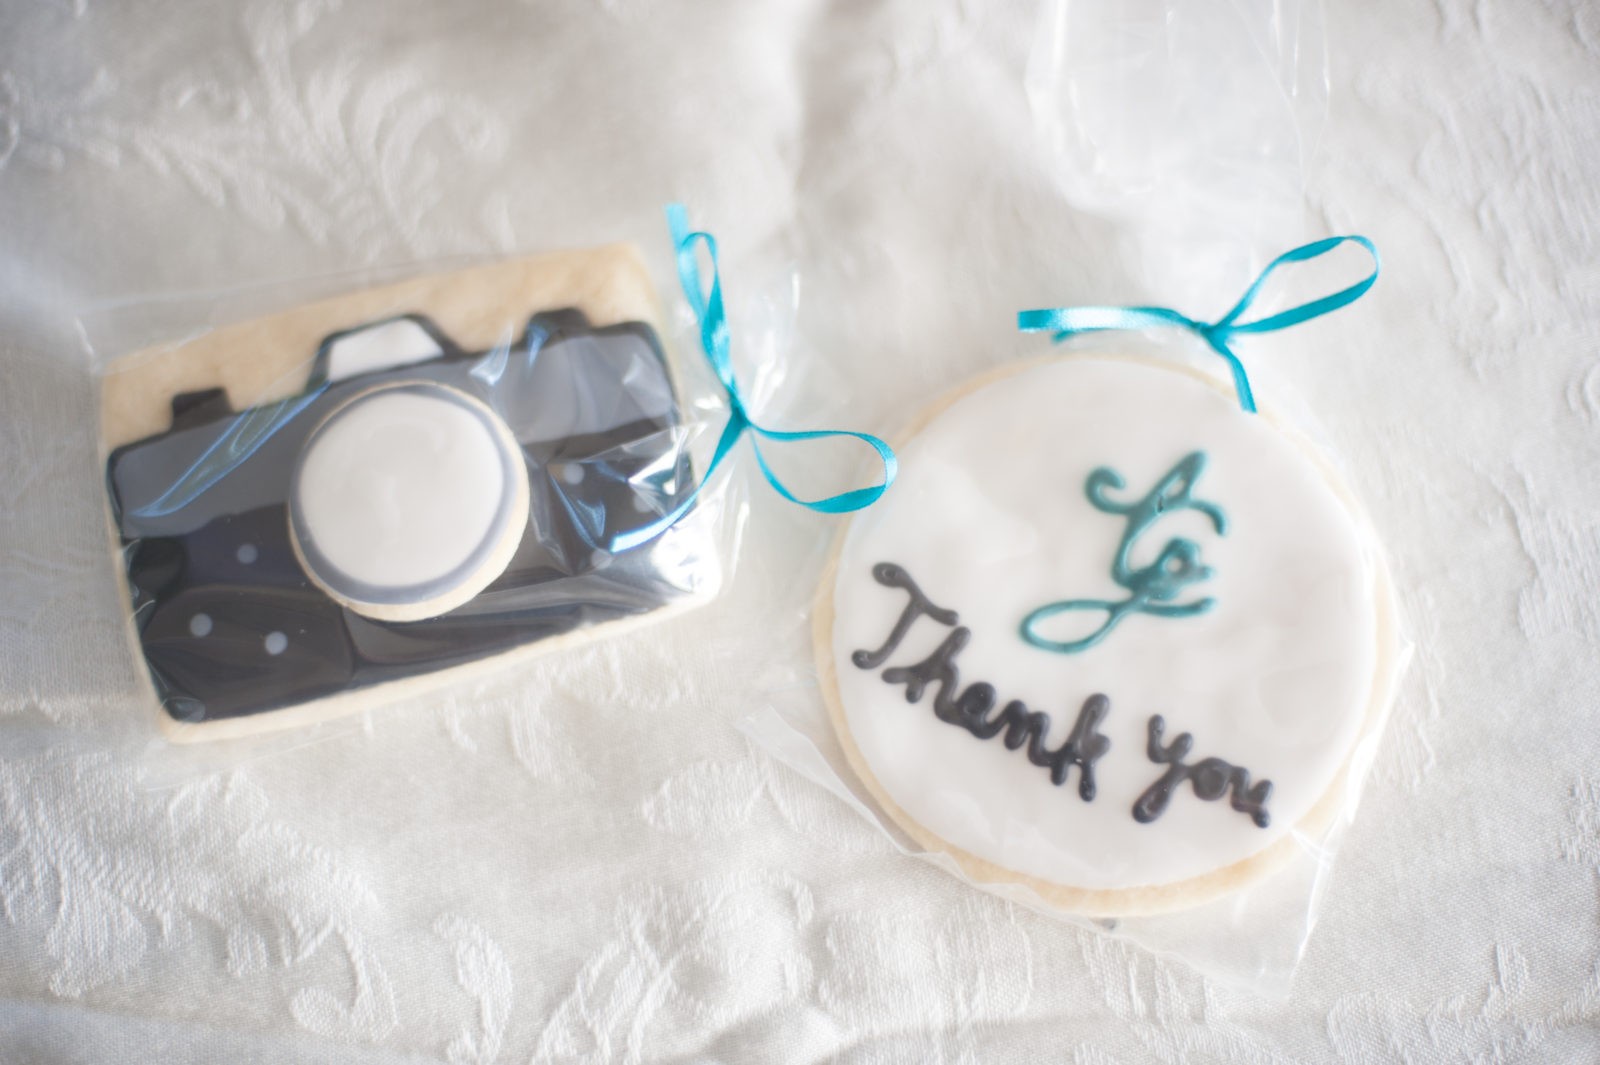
436 491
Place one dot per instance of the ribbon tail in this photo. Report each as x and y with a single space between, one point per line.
1312 308
707 304
843 502
1241 379
677 222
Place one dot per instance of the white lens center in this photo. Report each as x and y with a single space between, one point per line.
402 487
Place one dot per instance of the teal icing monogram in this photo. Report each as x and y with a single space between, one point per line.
1152 588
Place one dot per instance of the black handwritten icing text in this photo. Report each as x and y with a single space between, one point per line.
1211 779
971 708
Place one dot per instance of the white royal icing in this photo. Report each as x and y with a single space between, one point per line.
385 346
409 494
989 516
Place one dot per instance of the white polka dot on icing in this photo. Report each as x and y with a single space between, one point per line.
200 625
247 553
276 643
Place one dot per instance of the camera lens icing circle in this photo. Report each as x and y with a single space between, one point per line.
408 500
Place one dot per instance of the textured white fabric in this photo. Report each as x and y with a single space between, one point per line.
583 861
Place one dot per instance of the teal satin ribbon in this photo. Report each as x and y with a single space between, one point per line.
1070 321
708 310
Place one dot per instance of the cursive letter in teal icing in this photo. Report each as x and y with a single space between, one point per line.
1152 588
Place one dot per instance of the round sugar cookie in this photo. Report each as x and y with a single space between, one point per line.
408 500
1108 636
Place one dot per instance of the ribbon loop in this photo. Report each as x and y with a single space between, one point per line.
1066 322
707 305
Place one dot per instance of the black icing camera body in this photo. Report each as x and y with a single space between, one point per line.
227 618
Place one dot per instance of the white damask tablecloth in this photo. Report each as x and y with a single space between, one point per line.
584 861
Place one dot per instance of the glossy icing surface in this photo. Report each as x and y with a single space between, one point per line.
403 494
991 520
228 620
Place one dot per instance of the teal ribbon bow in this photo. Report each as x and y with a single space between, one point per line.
708 311
1070 321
